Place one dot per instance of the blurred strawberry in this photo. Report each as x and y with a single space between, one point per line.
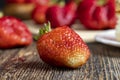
13 33
97 14
39 14
59 15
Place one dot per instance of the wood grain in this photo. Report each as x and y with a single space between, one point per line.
104 64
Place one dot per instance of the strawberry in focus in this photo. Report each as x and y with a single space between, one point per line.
62 47
13 33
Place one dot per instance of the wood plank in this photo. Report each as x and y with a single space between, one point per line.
102 65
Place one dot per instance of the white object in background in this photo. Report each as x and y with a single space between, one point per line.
1 14
118 28
88 35
108 37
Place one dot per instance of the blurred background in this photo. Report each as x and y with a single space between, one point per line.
22 8
67 12
2 3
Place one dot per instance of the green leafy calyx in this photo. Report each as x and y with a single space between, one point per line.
45 29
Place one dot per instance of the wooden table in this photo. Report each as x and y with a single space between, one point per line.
104 64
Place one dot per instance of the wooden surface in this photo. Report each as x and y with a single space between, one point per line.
104 64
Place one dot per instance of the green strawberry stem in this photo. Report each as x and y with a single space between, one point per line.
45 29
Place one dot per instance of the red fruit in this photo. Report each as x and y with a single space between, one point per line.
59 16
13 33
62 47
94 15
38 14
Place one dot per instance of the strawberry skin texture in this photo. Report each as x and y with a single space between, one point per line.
13 33
63 47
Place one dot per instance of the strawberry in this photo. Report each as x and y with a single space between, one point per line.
38 14
97 14
62 47
61 15
13 33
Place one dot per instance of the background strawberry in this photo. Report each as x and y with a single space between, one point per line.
62 47
97 14
61 15
38 14
13 33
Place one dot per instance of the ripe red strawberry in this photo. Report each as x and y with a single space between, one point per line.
38 14
62 47
61 15
97 14
13 33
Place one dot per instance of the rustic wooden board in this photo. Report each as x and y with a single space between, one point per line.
104 64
